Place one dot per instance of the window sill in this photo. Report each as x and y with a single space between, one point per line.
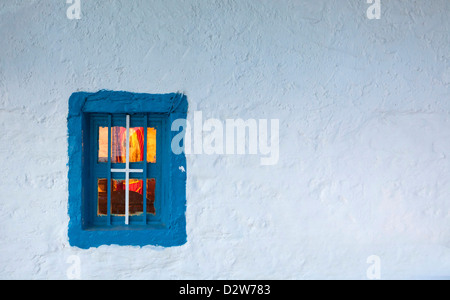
133 227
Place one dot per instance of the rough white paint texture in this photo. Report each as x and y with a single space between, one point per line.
365 133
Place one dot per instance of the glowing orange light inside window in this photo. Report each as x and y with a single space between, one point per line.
118 197
103 144
151 145
119 143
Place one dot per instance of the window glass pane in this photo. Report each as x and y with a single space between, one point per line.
151 145
151 185
136 197
102 144
137 144
118 197
102 207
118 145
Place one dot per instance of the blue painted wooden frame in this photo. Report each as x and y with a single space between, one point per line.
82 233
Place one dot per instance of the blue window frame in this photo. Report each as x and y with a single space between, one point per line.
98 215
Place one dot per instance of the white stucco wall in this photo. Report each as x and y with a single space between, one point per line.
364 134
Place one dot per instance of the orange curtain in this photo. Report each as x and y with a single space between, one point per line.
119 144
136 185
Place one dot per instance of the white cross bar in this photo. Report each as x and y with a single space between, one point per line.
127 172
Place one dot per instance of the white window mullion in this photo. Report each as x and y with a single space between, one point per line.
127 172
127 176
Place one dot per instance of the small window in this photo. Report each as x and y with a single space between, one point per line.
125 183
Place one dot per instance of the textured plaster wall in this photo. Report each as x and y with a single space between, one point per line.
364 133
